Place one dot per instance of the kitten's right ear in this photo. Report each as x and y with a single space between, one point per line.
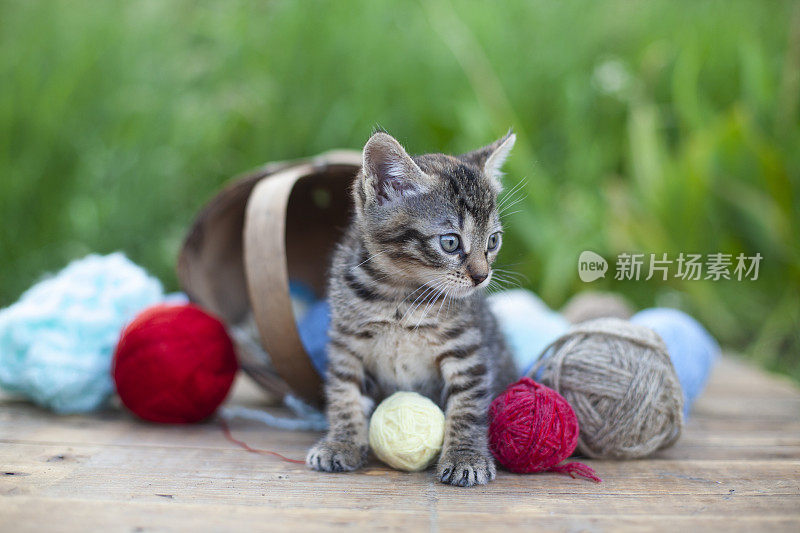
491 158
389 171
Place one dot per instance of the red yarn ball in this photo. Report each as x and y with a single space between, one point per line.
532 428
174 364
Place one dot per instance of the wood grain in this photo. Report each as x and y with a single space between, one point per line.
736 468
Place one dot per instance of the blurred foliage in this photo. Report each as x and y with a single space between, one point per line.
656 127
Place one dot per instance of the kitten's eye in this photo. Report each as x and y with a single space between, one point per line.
450 242
494 240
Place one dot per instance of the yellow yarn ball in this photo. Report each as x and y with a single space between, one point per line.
406 431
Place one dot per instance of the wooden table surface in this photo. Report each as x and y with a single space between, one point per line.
737 467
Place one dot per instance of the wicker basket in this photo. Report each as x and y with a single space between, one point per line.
263 229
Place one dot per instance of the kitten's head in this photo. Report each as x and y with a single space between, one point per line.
431 219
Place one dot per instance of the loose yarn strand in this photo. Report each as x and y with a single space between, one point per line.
228 435
308 419
575 469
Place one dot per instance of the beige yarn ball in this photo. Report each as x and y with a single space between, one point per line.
406 431
589 305
620 381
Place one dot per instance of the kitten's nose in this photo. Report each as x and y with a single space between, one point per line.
478 277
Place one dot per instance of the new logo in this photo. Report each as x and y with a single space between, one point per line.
591 266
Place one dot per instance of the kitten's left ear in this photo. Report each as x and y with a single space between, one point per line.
491 157
390 171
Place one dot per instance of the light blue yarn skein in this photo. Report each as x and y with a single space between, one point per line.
528 325
56 342
691 348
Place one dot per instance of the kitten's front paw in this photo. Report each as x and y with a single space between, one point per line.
335 456
465 468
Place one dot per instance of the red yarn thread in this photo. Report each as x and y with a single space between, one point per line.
532 428
226 430
174 364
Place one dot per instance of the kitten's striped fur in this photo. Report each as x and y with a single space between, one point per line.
406 315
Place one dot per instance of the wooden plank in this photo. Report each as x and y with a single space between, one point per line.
168 515
736 467
163 512
700 441
733 376
51 471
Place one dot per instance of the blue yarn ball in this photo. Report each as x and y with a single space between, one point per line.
303 298
527 324
691 348
313 330
57 341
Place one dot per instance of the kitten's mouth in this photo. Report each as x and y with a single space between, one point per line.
466 287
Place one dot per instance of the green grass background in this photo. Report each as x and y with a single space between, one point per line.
660 126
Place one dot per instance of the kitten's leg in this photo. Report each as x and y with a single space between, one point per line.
465 459
345 447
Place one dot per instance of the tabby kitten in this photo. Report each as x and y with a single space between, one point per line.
408 306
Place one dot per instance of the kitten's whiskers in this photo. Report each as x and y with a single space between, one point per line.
430 297
373 256
511 192
411 308
439 292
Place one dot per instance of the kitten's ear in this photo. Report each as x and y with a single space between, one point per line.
389 171
491 157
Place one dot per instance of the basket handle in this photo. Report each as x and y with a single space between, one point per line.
267 273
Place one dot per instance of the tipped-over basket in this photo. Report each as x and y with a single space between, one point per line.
278 223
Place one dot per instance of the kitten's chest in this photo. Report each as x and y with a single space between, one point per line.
402 358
